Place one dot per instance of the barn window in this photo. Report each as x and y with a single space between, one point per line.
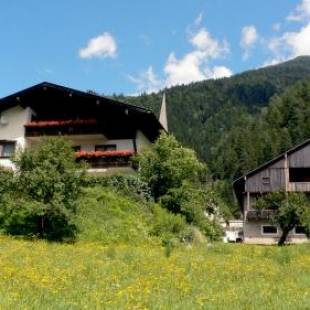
269 230
7 149
266 180
299 174
300 230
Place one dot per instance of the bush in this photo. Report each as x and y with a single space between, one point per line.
168 226
200 207
129 185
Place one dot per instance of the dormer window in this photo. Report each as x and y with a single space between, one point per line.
7 149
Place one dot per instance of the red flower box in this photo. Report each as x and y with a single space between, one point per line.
104 154
57 123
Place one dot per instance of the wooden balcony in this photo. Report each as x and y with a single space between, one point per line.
62 127
299 187
259 215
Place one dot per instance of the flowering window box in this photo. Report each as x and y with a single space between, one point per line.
100 159
59 123
59 127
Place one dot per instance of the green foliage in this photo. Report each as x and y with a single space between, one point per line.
129 185
168 226
109 217
167 164
291 209
42 196
200 207
175 177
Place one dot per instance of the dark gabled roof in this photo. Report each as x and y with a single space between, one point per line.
270 162
48 99
10 101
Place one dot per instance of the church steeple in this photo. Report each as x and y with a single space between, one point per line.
163 113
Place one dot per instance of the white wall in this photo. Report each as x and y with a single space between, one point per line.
12 128
253 234
124 144
142 141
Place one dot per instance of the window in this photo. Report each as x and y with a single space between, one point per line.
269 230
266 180
299 174
300 230
76 148
7 149
105 147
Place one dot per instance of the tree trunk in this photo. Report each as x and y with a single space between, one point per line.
283 237
41 226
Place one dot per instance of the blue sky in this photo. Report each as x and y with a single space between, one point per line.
134 46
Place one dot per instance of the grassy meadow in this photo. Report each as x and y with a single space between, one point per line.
118 263
90 275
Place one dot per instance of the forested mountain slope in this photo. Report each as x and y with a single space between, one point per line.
220 119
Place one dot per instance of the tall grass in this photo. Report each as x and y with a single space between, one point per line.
87 275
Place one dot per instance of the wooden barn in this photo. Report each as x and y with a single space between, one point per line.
290 172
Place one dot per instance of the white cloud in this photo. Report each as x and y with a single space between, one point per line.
191 67
147 81
249 37
290 45
184 70
218 72
298 42
211 47
302 12
100 47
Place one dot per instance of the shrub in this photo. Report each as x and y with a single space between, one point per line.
129 185
168 226
199 207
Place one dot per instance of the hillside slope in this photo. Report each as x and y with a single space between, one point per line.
201 113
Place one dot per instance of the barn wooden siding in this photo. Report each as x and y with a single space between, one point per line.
271 178
300 158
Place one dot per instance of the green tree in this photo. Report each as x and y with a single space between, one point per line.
44 192
177 181
290 210
167 164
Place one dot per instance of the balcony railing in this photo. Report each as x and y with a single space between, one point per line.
106 159
299 186
257 215
63 127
